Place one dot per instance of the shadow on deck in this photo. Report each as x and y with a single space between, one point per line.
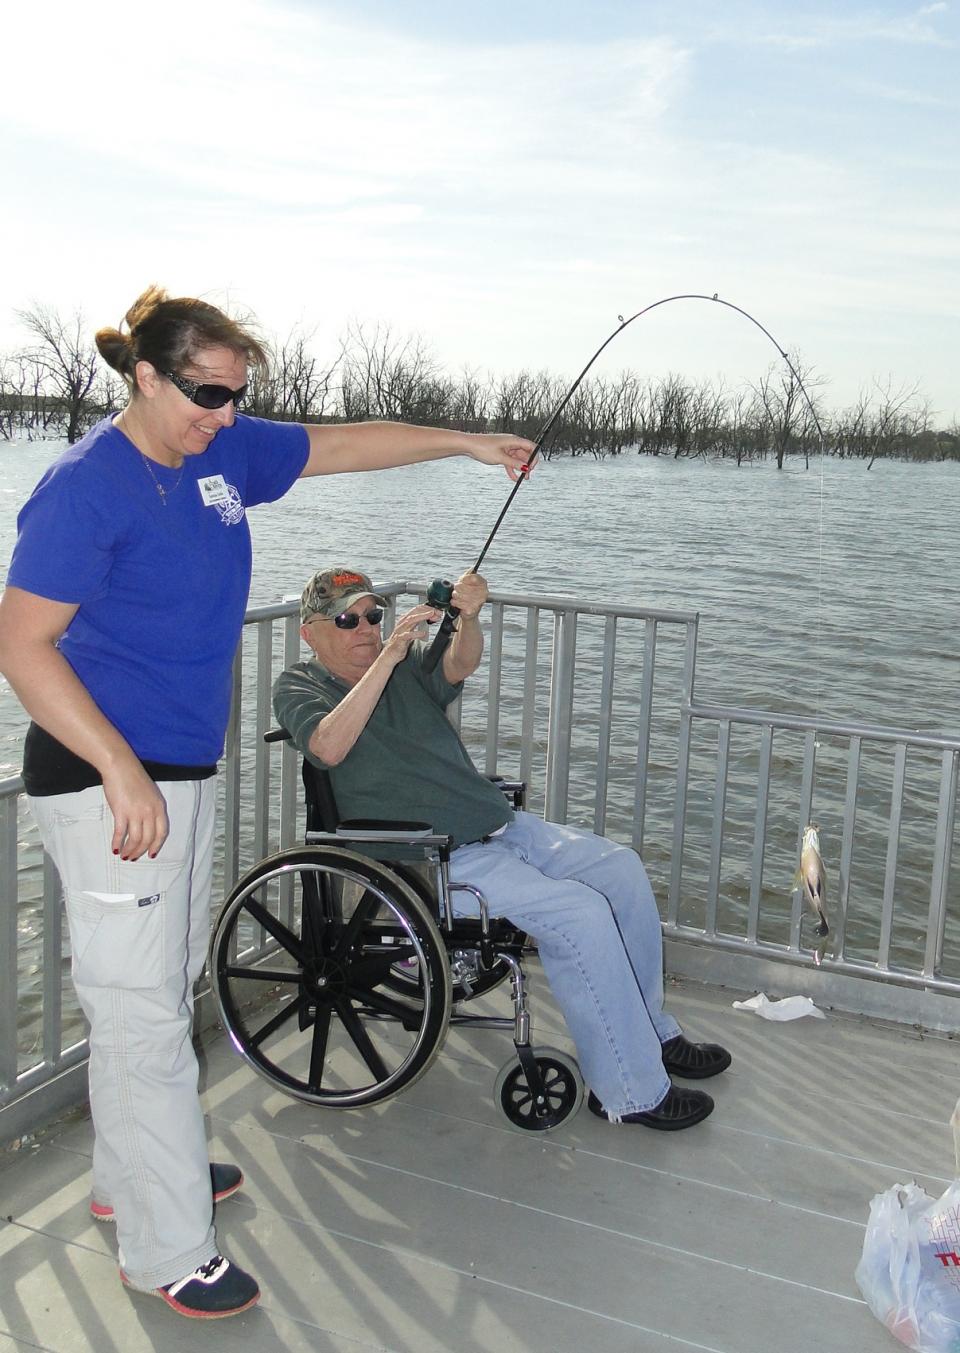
427 1225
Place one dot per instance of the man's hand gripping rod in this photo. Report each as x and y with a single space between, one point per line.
441 589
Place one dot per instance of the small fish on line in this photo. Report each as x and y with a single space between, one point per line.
812 877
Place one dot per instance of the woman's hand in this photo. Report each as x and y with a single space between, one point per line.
501 448
139 811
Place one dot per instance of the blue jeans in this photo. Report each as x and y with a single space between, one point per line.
588 904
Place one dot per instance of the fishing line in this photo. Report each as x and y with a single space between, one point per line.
440 590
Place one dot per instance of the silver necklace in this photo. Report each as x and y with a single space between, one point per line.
164 493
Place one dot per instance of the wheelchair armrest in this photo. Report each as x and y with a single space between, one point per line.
514 790
387 840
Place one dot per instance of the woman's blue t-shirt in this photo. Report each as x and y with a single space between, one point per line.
161 581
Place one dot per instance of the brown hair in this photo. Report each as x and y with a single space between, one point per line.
169 331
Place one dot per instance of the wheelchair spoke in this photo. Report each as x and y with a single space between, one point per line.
385 1005
276 928
263 974
277 1022
349 935
361 1039
318 1046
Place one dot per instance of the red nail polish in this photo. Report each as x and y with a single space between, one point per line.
116 852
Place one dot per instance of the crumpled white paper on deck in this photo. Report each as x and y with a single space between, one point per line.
791 1007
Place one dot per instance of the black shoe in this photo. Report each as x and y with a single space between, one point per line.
679 1108
212 1291
694 1061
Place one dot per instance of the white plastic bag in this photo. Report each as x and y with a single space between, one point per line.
790 1007
909 1272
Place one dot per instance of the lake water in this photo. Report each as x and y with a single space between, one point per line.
832 590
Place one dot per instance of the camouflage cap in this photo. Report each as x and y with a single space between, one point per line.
334 590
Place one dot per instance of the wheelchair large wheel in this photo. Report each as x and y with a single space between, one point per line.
301 961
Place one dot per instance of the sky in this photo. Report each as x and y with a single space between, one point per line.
502 180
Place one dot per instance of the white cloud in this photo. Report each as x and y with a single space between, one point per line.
227 97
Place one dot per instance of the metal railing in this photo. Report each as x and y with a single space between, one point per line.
607 690
913 975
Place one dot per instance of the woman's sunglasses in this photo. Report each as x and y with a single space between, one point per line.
349 620
205 395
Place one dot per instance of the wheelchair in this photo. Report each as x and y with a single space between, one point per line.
338 966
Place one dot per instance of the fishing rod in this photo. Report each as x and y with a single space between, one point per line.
440 590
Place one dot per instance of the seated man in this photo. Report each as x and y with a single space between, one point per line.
369 712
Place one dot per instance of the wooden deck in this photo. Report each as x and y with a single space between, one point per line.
427 1225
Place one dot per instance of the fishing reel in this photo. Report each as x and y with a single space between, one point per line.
439 594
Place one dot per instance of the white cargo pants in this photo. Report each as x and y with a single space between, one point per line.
138 938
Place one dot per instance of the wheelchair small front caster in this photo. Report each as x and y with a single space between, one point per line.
563 1091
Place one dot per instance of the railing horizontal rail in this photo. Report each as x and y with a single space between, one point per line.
803 723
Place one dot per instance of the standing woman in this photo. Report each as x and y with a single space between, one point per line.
123 608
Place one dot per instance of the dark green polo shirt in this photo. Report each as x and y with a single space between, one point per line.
409 762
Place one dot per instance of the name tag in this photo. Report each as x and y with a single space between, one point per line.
213 490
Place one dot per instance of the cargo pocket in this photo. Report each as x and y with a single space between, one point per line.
117 940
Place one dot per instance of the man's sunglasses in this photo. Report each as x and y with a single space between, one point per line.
205 395
349 620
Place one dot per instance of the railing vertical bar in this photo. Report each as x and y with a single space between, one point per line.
643 733
760 832
264 719
690 657
719 815
231 778
290 794
810 745
893 849
683 772
8 941
495 677
605 724
528 722
940 877
560 720
289 777
679 817
52 963
839 921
